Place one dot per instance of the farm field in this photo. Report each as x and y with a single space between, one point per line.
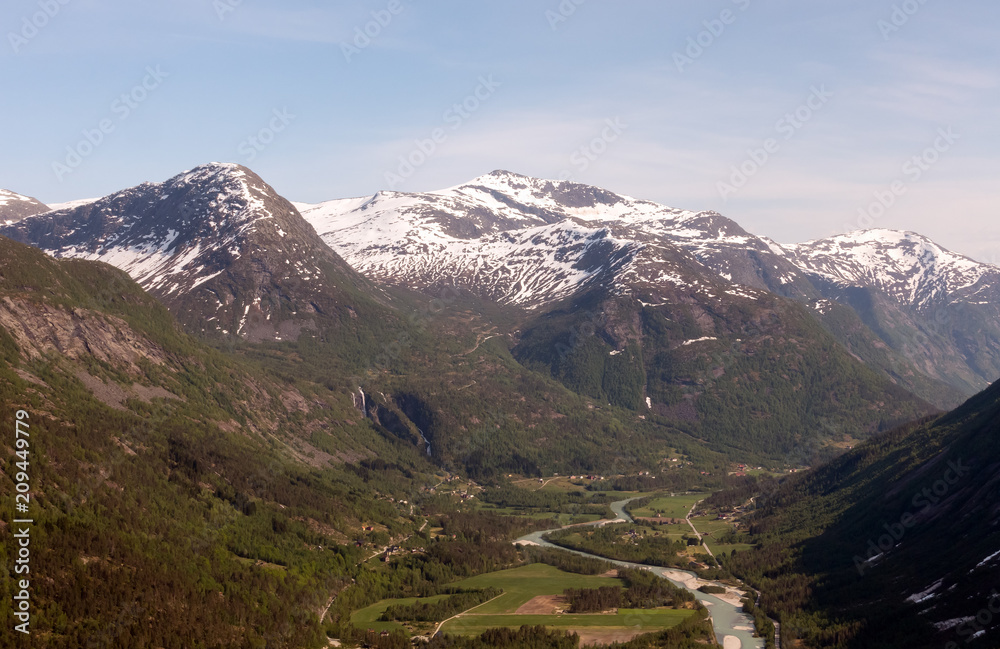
675 532
525 584
368 618
520 585
628 622
669 506
712 529
531 596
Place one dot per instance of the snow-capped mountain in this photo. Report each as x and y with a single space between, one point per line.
229 255
14 207
530 242
216 244
906 266
527 242
935 307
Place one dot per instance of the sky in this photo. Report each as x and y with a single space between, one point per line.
799 120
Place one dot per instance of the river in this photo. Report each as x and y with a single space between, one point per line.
733 627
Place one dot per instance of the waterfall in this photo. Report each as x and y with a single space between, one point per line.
427 443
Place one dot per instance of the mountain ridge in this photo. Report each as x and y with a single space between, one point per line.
672 333
494 235
215 244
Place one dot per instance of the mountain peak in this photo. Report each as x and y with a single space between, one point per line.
499 179
14 206
7 196
503 173
906 265
211 171
214 235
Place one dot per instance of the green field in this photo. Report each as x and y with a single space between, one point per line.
520 585
675 532
669 506
368 618
561 519
640 619
711 529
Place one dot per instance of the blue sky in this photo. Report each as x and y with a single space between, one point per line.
873 83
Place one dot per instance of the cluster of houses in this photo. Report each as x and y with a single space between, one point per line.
395 550
464 495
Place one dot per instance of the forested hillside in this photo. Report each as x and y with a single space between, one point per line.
894 544
180 497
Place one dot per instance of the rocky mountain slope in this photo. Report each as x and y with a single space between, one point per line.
222 249
14 207
906 266
609 296
937 308
528 242
622 302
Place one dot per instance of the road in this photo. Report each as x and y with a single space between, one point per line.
542 486
696 532
322 614
465 612
479 342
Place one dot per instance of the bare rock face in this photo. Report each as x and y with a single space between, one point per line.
40 329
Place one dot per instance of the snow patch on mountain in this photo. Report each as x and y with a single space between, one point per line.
907 266
520 239
220 202
14 207
388 238
7 197
70 205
